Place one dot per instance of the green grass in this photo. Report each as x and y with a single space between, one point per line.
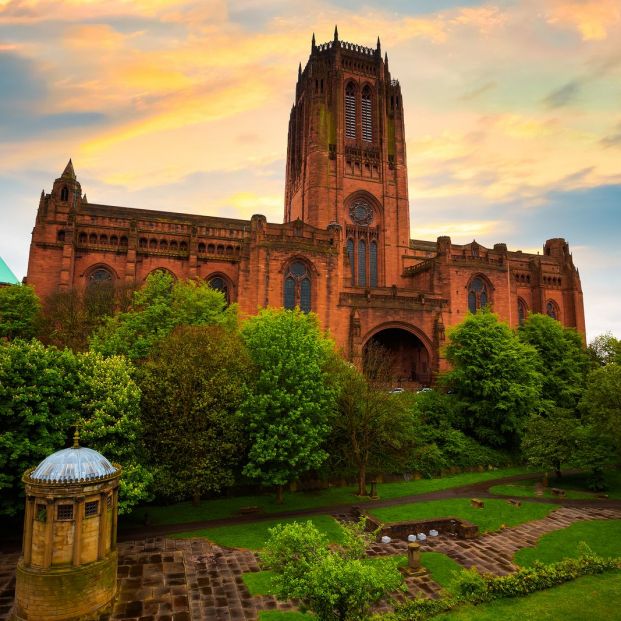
226 507
602 536
526 489
254 535
259 582
495 513
279 615
588 598
441 568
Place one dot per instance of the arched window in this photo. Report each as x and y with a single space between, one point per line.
298 287
522 311
92 238
350 256
64 194
219 284
103 240
201 248
552 309
153 244
350 111
60 236
183 246
114 240
123 242
367 115
362 263
83 237
163 244
478 296
173 245
211 249
100 275
143 242
373 264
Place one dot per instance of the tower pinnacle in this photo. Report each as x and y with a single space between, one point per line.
69 172
336 34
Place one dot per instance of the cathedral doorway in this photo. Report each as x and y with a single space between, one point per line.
407 362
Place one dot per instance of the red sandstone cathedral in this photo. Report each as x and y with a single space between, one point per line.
344 250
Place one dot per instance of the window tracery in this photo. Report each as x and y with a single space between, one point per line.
478 294
298 288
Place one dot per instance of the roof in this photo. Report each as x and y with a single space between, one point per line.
72 465
6 275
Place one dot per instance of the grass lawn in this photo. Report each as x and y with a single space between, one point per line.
227 507
495 513
277 615
526 489
259 582
602 536
255 534
441 568
588 598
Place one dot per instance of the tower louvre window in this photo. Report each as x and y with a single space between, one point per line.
362 263
367 116
350 111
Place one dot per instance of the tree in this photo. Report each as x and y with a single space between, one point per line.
601 403
369 426
109 421
289 402
37 407
160 306
604 349
495 378
564 362
336 584
19 312
192 384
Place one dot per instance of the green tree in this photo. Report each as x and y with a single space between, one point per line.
193 383
604 349
564 362
370 427
336 584
601 403
289 403
37 407
109 421
157 308
19 312
495 378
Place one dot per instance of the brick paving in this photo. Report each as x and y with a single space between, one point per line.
192 580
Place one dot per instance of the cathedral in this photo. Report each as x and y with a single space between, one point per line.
344 249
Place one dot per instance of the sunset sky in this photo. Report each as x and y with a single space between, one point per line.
512 113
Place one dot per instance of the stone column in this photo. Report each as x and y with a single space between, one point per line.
103 521
115 513
414 556
28 519
49 532
77 530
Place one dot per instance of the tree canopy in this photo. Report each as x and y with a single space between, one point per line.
19 312
495 378
289 401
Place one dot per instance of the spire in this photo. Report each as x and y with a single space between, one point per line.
313 43
386 59
300 70
69 172
379 47
336 34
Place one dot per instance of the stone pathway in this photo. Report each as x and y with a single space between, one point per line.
192 580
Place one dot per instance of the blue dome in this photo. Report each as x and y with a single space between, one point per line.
72 465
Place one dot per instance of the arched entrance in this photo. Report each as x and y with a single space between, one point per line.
408 357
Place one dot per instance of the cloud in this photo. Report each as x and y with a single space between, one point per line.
591 18
564 95
613 139
478 91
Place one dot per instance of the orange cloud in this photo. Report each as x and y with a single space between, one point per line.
592 18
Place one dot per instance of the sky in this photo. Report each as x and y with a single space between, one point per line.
512 114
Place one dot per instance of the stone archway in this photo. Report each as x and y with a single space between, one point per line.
410 356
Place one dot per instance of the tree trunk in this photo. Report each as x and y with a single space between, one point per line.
279 499
362 480
196 499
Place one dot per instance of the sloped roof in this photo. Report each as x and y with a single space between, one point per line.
6 275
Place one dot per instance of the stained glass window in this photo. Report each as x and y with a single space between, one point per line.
373 264
478 296
362 263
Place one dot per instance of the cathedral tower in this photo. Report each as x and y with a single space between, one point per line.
346 159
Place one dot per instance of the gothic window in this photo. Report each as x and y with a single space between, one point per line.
220 284
362 263
99 276
123 242
298 287
103 240
350 111
350 256
183 246
92 238
201 247
478 296
64 194
522 311
367 116
163 244
83 238
373 264
173 245
143 242
153 244
552 309
114 240
60 236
